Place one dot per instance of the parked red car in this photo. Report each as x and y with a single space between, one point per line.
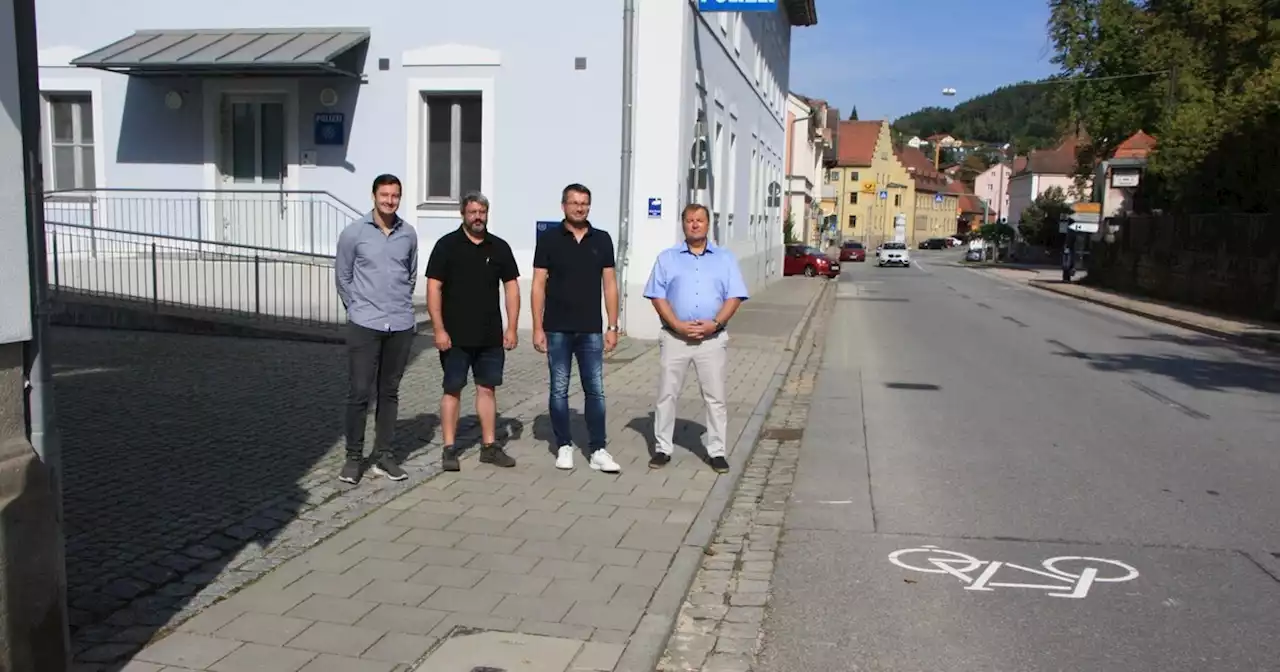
809 261
852 251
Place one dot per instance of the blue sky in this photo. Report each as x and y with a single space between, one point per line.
892 57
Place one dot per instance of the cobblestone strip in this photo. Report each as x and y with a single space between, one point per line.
719 625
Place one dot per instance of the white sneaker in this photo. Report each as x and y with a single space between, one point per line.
564 457
601 460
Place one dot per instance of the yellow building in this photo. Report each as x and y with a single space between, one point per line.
869 187
936 207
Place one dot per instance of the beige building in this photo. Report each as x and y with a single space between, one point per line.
872 190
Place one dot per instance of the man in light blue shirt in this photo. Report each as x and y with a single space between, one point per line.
696 287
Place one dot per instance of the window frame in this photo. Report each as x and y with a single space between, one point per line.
51 97
457 110
415 177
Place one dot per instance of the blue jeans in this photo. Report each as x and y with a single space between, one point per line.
588 349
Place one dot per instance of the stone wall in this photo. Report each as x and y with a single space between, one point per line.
1226 263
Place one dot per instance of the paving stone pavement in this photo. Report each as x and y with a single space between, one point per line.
194 464
718 628
533 550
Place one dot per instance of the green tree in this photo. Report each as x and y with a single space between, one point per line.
1202 76
1038 223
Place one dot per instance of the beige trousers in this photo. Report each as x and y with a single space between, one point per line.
709 358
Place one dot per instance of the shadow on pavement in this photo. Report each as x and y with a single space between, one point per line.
1257 353
184 456
1197 373
688 435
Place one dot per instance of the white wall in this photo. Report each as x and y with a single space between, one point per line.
15 300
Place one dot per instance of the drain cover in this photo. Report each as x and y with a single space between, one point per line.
782 434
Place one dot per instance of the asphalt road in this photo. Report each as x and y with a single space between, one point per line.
1007 427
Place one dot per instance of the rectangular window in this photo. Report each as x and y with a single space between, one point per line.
853 221
451 146
897 200
69 142
854 176
853 198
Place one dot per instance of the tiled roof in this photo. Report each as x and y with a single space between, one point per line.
921 168
856 142
1060 160
1137 146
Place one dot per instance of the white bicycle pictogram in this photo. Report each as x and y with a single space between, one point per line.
934 560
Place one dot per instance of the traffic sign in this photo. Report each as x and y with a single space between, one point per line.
1093 208
937 198
884 195
1080 222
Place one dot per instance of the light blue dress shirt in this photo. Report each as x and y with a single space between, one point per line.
696 285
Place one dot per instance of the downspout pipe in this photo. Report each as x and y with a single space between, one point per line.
43 435
627 159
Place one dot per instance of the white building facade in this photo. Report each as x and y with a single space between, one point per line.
807 139
269 138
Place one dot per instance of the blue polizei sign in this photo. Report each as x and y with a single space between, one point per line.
737 5
329 128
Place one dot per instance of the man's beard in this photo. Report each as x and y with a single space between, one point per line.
477 228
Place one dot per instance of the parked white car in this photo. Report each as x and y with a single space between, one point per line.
893 254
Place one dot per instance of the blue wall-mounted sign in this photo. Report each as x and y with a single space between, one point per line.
738 5
655 207
884 195
329 128
544 227
937 198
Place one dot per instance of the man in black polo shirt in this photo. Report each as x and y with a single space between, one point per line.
572 264
463 274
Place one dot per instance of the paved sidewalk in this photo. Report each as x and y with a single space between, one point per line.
529 568
1249 332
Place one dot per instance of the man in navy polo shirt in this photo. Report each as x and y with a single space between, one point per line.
375 271
573 268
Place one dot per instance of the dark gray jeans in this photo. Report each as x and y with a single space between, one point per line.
377 360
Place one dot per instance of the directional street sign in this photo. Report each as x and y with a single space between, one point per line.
1080 222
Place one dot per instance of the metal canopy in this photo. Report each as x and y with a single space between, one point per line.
248 51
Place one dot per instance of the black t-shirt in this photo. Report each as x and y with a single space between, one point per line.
574 273
472 275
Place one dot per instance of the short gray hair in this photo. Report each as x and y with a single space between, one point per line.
473 197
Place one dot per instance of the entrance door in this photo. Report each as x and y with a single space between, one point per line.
254 208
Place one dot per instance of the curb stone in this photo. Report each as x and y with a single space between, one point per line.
798 331
646 648
718 624
1123 305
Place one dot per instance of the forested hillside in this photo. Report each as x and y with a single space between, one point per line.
1026 116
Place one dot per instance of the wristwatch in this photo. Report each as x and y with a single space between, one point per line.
612 327
719 327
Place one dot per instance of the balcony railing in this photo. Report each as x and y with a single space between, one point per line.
165 272
271 222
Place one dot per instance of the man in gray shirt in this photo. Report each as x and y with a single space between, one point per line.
376 271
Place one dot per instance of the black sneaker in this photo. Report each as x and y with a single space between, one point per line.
659 460
387 468
449 459
720 464
495 455
351 471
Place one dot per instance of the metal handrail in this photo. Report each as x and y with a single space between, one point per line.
195 241
143 190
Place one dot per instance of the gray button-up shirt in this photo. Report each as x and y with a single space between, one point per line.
376 274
